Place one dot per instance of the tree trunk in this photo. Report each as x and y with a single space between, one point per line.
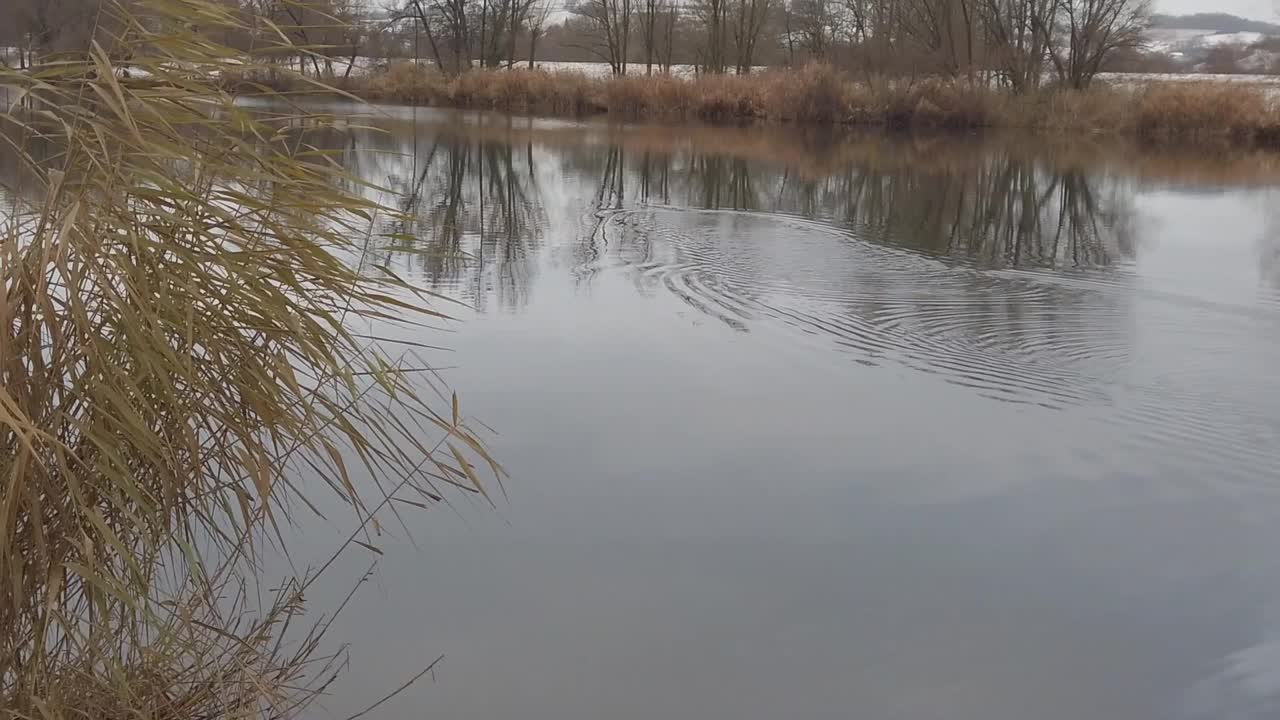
431 38
511 44
791 42
668 50
484 20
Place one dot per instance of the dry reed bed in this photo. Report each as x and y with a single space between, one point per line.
184 369
820 95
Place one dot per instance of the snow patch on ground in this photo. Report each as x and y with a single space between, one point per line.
1239 38
1190 41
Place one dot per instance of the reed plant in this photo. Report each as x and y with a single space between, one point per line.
820 95
1210 110
193 347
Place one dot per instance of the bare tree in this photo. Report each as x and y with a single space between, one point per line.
536 22
946 30
319 29
651 14
788 33
610 21
44 27
447 25
749 17
1086 32
667 32
521 19
416 12
812 25
501 22
497 25
1017 49
880 30
713 16
338 33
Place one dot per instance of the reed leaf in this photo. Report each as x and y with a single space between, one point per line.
184 317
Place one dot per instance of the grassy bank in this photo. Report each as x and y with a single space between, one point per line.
820 95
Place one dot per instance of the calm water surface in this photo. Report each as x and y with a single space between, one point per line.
816 426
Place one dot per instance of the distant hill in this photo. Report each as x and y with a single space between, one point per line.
1214 22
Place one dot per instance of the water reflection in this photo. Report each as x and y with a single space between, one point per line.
990 204
471 209
802 423
1002 208
1269 249
869 254
1005 267
943 256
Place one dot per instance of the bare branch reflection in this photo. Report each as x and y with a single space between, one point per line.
472 209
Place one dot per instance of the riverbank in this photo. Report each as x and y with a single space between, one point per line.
1168 111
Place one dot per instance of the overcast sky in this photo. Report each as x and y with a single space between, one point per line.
1256 9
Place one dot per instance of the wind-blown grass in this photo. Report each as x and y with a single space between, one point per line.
184 337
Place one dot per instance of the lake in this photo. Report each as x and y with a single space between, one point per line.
823 425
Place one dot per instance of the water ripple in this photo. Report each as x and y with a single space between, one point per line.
961 323
1048 339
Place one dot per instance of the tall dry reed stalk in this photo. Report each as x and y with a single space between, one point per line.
186 354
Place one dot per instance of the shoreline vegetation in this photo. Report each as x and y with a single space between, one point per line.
820 95
190 361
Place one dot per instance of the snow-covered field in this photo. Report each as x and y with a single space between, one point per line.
1268 83
1136 78
1190 41
1237 38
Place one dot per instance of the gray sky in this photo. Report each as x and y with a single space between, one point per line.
1256 9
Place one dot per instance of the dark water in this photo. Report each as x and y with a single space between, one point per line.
819 426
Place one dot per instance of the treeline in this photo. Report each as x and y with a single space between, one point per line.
38 27
1015 43
1018 44
321 38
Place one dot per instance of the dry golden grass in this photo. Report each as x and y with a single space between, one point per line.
519 91
185 356
819 95
1205 110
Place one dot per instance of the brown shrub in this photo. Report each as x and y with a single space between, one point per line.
1099 108
523 91
815 93
725 97
254 80
940 104
640 96
1204 110
404 82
